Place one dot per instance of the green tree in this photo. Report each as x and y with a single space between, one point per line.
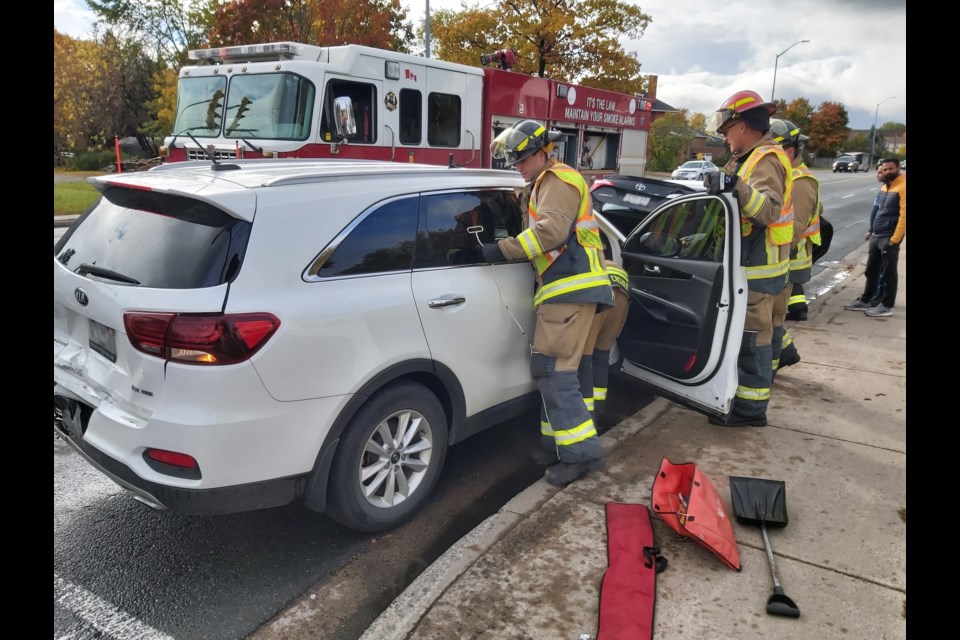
569 40
165 28
668 142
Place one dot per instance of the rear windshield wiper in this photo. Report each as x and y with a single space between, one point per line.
86 268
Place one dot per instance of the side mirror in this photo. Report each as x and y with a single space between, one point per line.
345 122
659 244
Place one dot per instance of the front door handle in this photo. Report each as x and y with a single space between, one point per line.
437 303
654 269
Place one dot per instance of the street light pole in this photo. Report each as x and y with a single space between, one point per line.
873 137
777 61
426 31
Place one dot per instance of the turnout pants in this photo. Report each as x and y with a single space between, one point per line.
559 340
782 346
754 370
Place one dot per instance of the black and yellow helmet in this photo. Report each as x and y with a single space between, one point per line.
521 140
785 133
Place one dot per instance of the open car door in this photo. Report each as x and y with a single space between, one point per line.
688 301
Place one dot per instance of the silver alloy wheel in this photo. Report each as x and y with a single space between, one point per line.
396 458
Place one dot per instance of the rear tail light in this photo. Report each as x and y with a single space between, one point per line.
173 463
205 339
600 183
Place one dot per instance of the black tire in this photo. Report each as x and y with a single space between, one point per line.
370 492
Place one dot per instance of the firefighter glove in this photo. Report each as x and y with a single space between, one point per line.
716 181
492 253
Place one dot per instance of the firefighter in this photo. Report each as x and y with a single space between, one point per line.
807 208
562 242
759 175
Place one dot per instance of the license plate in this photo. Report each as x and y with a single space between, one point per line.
633 198
103 340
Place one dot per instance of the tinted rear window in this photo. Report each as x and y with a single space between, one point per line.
159 240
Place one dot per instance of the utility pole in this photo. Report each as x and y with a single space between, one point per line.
873 138
426 31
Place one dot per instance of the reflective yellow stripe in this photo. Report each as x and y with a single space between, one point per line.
571 284
801 262
530 243
787 340
599 393
801 299
578 434
768 270
618 277
752 208
749 393
546 429
589 403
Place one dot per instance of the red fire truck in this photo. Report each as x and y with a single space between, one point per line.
286 99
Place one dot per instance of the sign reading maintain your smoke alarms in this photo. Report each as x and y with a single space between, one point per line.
601 108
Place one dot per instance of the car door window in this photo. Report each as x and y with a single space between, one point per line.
675 266
380 241
453 226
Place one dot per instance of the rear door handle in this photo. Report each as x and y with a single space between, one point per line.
437 303
654 269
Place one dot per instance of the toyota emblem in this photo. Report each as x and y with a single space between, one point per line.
81 296
640 186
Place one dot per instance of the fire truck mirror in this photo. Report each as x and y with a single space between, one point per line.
346 123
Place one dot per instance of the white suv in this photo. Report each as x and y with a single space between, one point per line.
240 336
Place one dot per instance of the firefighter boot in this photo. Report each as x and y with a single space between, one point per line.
543 457
566 472
737 420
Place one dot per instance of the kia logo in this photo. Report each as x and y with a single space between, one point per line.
640 186
81 296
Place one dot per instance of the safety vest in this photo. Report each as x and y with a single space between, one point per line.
801 258
575 271
765 270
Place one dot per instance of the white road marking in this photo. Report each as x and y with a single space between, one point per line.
100 614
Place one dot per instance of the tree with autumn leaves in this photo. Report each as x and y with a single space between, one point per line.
569 40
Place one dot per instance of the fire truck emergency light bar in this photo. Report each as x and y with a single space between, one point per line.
289 49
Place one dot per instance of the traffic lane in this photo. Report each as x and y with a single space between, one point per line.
847 200
184 577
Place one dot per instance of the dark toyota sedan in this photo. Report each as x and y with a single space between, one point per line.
626 200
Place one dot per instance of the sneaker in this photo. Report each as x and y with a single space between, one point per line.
857 305
543 457
737 420
879 311
566 472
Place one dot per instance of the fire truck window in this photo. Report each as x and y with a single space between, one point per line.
274 106
445 238
381 241
443 117
364 98
200 105
411 116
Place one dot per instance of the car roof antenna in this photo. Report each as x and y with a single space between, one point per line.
216 165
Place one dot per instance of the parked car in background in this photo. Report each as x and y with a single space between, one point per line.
847 164
239 335
626 200
693 170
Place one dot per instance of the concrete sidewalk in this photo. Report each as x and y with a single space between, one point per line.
836 436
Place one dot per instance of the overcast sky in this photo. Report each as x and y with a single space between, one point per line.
704 51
